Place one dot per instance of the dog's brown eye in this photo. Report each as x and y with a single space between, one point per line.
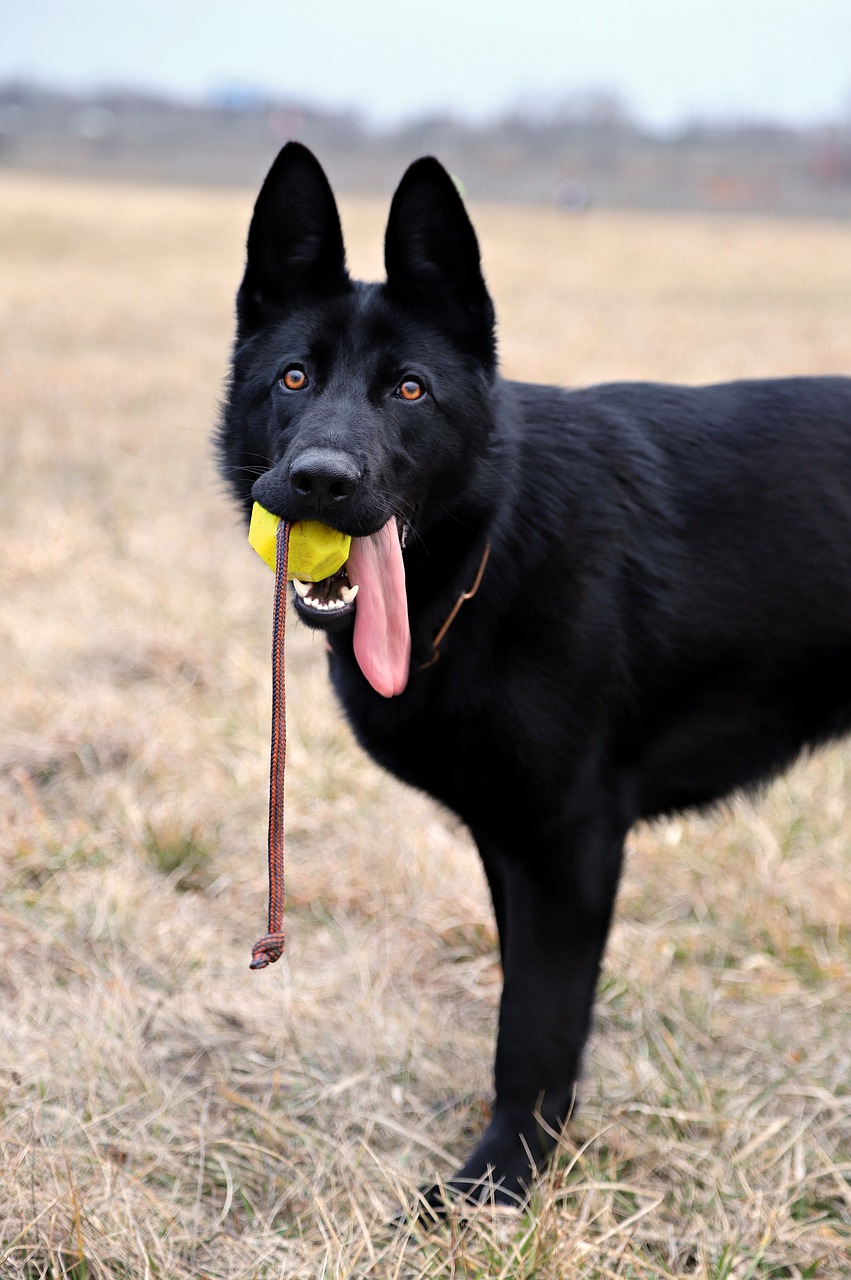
411 389
294 379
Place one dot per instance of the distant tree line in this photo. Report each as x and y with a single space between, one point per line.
588 150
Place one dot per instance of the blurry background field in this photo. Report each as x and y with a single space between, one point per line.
164 1112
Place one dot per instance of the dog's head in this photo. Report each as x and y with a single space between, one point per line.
365 406
336 386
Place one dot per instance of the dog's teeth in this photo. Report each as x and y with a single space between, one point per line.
302 589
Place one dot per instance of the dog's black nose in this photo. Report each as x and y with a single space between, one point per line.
323 479
313 486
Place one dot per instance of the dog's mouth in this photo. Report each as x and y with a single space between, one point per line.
333 596
370 587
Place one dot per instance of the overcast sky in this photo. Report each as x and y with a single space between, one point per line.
391 59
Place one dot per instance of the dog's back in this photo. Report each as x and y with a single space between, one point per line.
733 604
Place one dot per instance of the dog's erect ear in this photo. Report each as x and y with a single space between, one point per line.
432 257
295 244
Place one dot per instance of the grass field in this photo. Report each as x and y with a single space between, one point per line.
164 1112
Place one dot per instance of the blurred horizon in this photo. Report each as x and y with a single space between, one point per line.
668 63
589 151
733 105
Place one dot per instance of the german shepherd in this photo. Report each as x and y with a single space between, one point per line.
658 582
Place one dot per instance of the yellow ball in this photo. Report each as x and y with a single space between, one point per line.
316 551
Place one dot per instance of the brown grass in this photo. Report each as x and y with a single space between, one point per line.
165 1113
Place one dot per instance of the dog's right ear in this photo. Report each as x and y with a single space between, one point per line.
432 257
295 243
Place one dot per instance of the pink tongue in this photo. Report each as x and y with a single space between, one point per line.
382 633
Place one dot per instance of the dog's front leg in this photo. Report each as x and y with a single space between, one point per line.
554 909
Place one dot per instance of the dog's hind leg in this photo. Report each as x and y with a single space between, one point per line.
554 910
493 861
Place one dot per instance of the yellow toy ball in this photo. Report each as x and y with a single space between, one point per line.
316 551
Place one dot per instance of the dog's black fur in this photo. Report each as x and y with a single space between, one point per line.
665 615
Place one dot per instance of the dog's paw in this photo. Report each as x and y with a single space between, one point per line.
461 1201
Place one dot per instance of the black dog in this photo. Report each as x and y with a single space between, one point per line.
663 603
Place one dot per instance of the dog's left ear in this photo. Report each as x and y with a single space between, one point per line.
432 257
295 244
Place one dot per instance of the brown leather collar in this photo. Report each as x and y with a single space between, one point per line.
453 613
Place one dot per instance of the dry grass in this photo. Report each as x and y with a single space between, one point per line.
165 1113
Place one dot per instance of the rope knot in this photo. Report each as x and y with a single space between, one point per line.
269 949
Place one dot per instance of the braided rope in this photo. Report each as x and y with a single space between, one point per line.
270 947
